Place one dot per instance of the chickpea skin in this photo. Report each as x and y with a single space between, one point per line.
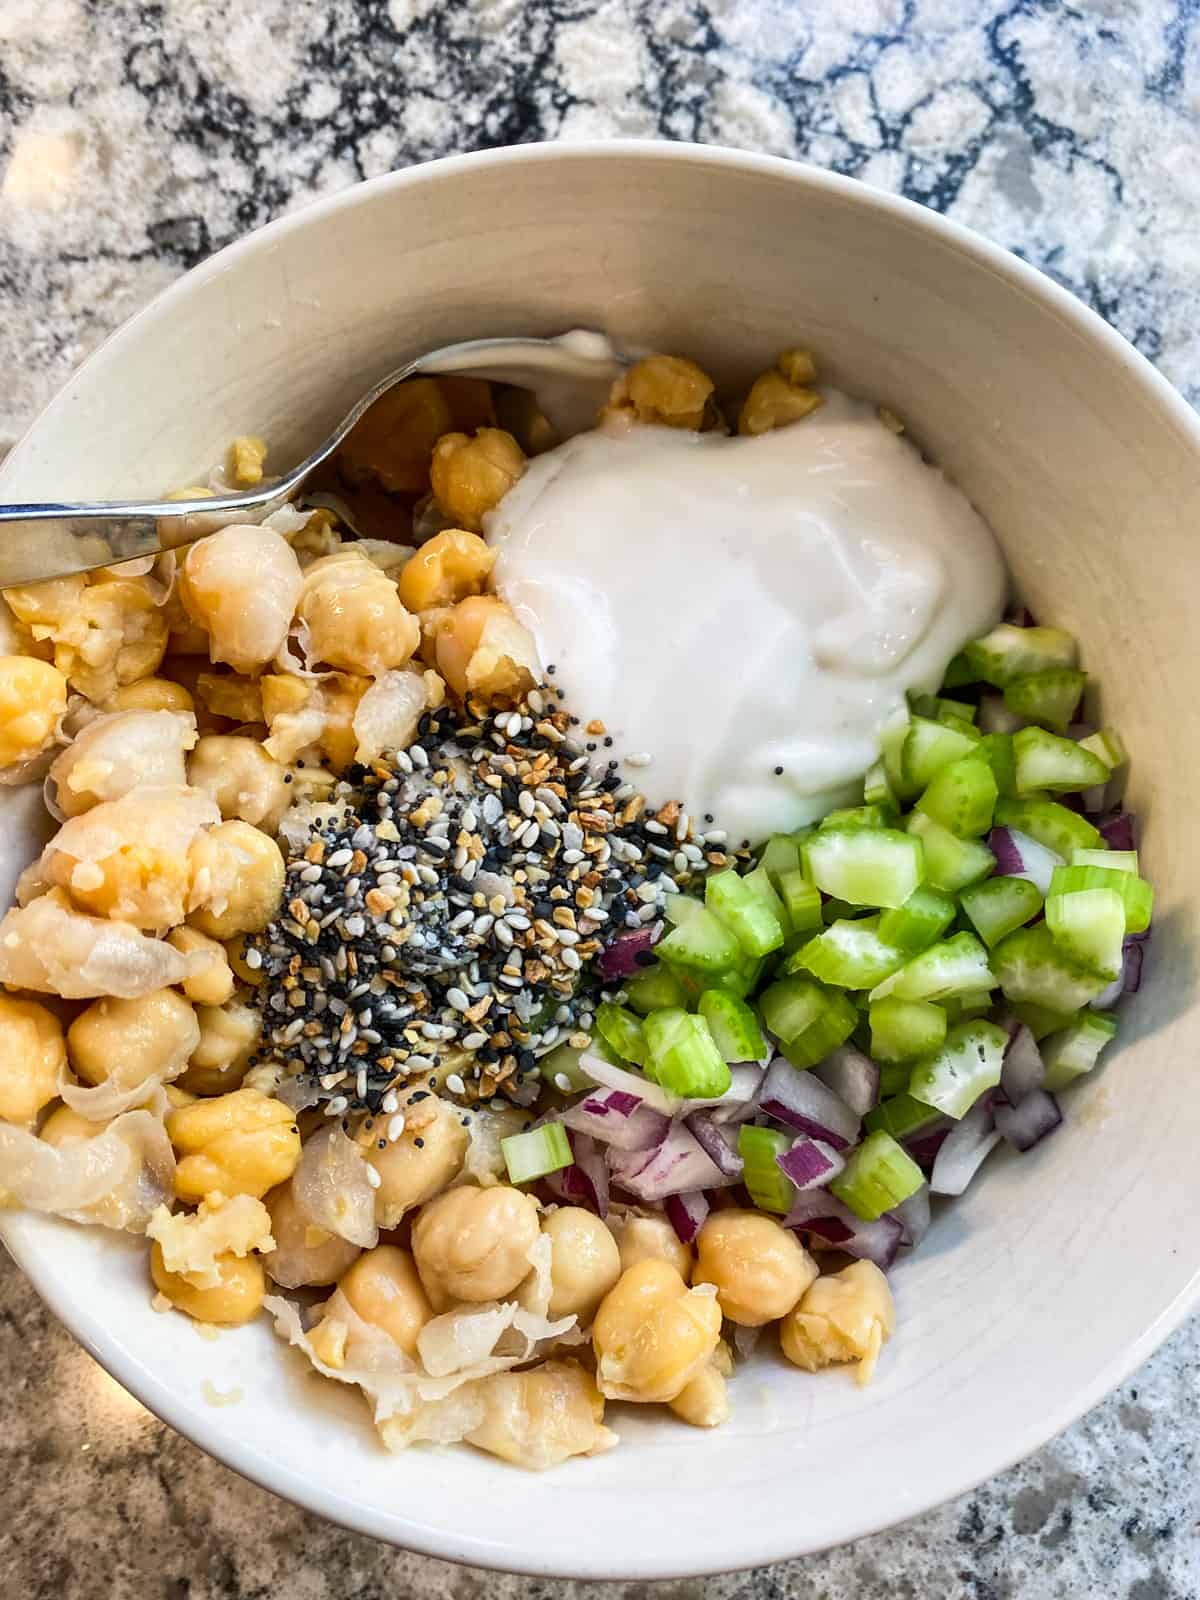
132 1040
651 1239
247 784
541 1417
236 1299
384 1288
303 1254
652 1334
758 1268
237 875
33 698
584 1262
221 1059
844 1316
473 1244
471 476
481 648
32 1055
239 1143
411 1173
446 569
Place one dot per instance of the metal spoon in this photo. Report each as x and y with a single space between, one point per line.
571 374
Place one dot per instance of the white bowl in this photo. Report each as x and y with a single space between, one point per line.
1062 1269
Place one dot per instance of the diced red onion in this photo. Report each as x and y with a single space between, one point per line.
923 1147
1112 995
810 1163
1023 1069
584 1183
677 1165
1117 831
617 1118
852 1076
803 1102
1095 799
995 716
1019 856
740 1100
1020 617
965 1149
620 958
818 1212
718 1141
654 1095
1131 965
686 1213
913 1215
1025 1124
744 1340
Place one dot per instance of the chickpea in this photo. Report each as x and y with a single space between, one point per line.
64 1126
247 784
781 395
541 1417
471 476
354 615
151 694
448 568
239 1143
132 1040
32 1055
392 444
652 1334
301 714
139 884
668 390
474 1244
33 699
705 1401
237 875
410 1174
384 1288
845 1316
116 635
242 585
230 695
236 1299
758 1267
651 1239
44 607
245 460
221 1059
584 1263
303 1254
482 649
213 985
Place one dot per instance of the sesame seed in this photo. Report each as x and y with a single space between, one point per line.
641 759
455 1084
395 1127
373 1177
562 1082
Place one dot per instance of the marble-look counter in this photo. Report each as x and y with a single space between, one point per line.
138 137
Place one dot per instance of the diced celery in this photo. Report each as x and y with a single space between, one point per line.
849 955
536 1152
655 987
682 1056
1056 826
1074 1051
1009 652
891 747
1109 746
919 922
1032 969
998 905
745 911
866 866
1114 860
780 854
733 1025
767 1185
955 966
905 1030
1049 697
893 1077
834 1019
959 673
1044 761
700 944
1136 894
878 1175
939 709
962 1007
877 791
951 863
740 979
1041 1020
997 750
760 881
962 797
679 909
850 817
968 1063
561 1068
929 747
790 1005
1088 926
902 1116
802 901
622 1030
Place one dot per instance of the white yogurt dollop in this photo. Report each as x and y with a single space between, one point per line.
732 606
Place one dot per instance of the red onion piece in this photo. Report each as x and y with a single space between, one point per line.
913 1215
686 1214
803 1102
810 1163
618 1118
1023 1069
818 1212
924 1146
603 1072
740 1100
620 958
852 1076
1131 965
586 1182
965 1148
678 1164
1024 1125
744 1340
718 1141
1117 831
1019 856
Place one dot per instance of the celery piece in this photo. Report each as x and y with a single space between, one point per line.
1056 826
1114 860
733 1026
930 746
1137 895
1041 1020
622 1030
801 900
848 955
780 854
955 966
878 1175
655 987
968 1063
939 709
561 1068
1109 746
765 1182
701 944
1074 1051
865 866
905 1030
1010 652
973 1003
808 1020
959 673
864 816
1048 697
1032 969
962 797
760 881
919 922
951 863
877 791
1088 926
998 905
536 1152
745 911
997 750
893 1078
891 748
680 909
683 1057
902 1116
1045 761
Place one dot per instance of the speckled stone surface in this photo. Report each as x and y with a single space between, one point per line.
135 138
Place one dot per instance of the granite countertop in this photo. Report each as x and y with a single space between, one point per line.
137 137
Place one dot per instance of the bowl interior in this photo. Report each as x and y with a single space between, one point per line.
1014 1316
